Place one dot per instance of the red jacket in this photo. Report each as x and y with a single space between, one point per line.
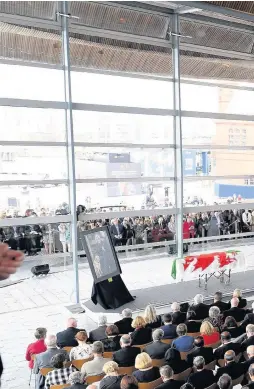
35 348
210 339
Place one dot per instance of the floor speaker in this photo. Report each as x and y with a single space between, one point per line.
40 269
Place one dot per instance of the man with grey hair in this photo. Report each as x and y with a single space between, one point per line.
66 338
225 382
201 310
202 378
250 337
178 317
124 325
217 302
237 313
99 333
184 342
44 359
232 368
76 380
167 374
95 366
157 349
127 355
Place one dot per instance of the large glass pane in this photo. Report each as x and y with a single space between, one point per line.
123 162
122 128
32 124
217 99
42 200
32 163
121 91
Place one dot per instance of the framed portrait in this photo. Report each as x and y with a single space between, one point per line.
100 253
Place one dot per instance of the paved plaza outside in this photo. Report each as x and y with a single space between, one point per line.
37 302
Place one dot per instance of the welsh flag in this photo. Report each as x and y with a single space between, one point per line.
203 261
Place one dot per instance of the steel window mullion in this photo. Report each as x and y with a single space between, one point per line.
139 212
122 179
218 116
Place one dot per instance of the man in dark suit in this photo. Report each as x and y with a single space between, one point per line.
116 230
202 378
66 338
178 317
249 318
157 349
127 355
99 333
251 374
167 373
232 368
124 325
201 310
226 345
225 382
250 360
44 359
200 351
168 328
237 313
250 337
217 302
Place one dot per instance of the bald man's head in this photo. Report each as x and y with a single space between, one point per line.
72 322
250 351
229 356
234 302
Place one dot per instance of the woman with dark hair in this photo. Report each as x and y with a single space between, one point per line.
173 359
112 342
230 325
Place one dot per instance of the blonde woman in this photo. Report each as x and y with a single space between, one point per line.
146 372
209 333
151 318
83 350
112 377
141 334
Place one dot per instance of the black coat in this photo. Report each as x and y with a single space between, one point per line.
234 331
202 379
124 325
221 305
98 334
220 351
248 342
201 310
66 338
178 317
233 369
112 343
249 386
155 324
141 336
247 364
242 303
171 384
192 326
110 382
237 313
126 356
205 352
248 319
147 375
157 350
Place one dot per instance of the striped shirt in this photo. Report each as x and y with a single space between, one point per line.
58 376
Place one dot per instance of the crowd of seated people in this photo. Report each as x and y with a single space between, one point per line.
153 348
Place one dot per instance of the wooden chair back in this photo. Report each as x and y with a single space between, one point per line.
211 365
150 385
108 354
78 363
184 354
128 370
45 370
94 378
68 349
183 375
60 386
167 341
193 334
214 345
158 362
221 362
238 380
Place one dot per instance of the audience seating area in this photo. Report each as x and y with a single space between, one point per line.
219 321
